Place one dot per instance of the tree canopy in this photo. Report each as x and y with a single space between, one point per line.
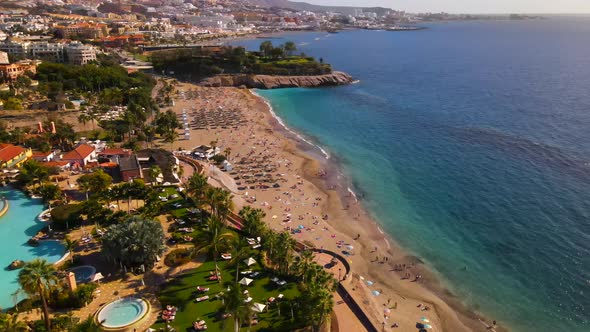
134 242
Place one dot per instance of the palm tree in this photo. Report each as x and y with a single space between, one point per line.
220 201
70 246
35 279
213 239
170 137
32 172
284 253
83 118
253 224
234 304
154 172
196 186
270 240
10 323
290 47
227 152
304 264
321 305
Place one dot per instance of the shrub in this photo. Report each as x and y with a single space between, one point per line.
64 216
178 257
65 299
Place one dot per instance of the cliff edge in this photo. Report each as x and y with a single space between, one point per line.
276 82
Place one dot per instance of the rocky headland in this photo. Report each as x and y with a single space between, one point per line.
276 82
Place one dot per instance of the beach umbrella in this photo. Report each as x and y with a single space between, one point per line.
249 261
425 320
258 307
370 283
427 326
274 217
245 281
386 311
349 247
376 293
97 277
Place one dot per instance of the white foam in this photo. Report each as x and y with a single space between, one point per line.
352 193
282 123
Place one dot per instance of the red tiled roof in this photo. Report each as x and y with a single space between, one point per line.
9 151
40 154
55 163
115 151
80 152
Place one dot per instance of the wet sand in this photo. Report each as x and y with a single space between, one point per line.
313 198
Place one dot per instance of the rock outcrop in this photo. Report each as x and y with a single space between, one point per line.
276 82
16 264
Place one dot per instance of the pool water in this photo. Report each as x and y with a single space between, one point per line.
122 312
83 273
17 226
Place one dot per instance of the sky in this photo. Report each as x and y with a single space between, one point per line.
469 6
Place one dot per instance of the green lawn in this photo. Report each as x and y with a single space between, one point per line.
182 293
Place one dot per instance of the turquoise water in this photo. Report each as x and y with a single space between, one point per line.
122 312
83 273
17 226
469 142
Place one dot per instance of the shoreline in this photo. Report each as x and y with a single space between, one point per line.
302 164
345 191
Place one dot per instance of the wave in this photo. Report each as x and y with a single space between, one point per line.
526 149
282 123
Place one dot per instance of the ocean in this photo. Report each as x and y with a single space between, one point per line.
469 142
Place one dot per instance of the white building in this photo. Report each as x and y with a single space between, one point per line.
16 49
47 51
80 54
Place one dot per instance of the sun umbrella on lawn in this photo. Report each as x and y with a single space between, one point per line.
245 281
249 261
258 307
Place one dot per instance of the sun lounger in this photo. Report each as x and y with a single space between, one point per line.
214 278
256 246
255 274
275 279
202 298
281 283
226 256
248 300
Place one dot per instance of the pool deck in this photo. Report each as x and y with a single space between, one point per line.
4 206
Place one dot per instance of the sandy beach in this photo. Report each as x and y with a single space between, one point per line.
303 192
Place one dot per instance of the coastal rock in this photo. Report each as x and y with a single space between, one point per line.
16 264
276 82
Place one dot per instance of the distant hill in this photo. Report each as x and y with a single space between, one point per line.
316 8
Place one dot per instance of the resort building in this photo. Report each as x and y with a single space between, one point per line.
83 30
47 51
13 156
4 58
43 156
130 168
114 154
81 155
10 72
80 54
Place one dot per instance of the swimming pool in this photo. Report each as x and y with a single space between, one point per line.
17 226
83 273
122 312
